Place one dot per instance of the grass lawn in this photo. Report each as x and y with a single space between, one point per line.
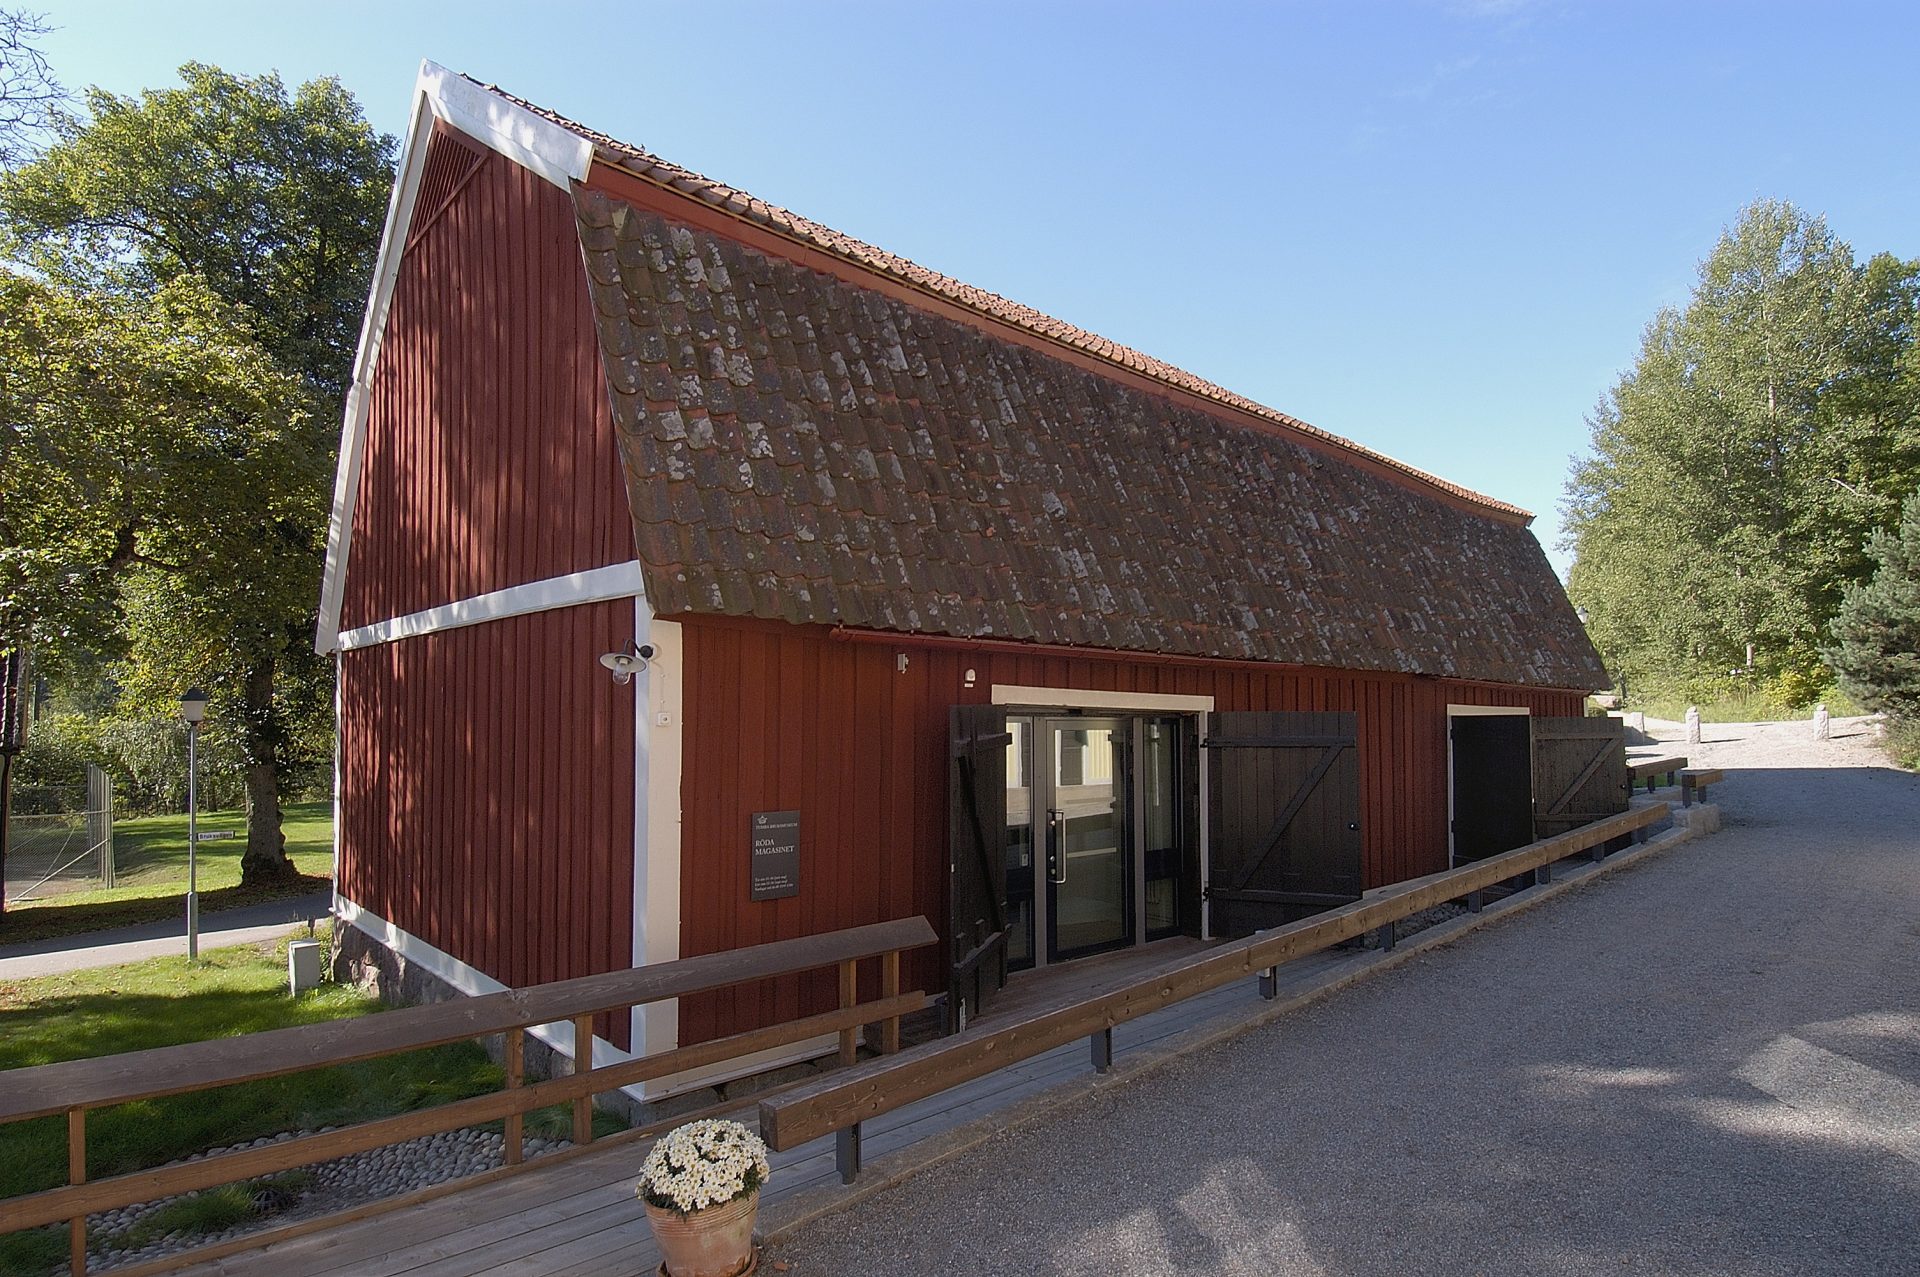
165 1001
151 855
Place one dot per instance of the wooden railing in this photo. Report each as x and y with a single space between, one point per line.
75 1086
840 1102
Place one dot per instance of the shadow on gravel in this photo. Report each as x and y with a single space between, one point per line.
1707 1063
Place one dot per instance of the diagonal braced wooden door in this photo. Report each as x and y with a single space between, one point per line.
1283 817
1579 772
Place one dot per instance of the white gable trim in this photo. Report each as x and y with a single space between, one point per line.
615 581
532 141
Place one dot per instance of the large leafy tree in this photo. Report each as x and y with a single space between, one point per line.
190 268
1738 468
163 493
275 202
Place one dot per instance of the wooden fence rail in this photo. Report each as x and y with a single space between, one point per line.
75 1086
840 1102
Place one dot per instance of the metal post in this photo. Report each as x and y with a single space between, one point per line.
1270 983
1476 901
846 1152
1389 935
1102 1044
1543 875
193 842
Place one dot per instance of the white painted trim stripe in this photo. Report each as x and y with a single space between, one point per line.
557 154
615 581
469 980
559 1035
1074 698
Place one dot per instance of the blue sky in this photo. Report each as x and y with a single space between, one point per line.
1435 228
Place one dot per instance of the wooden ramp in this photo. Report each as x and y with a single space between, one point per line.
579 1217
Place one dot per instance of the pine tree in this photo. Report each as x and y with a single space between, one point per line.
1876 648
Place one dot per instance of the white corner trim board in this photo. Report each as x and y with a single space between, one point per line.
1074 698
658 711
595 585
532 141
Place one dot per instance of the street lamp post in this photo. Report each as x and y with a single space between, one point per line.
193 708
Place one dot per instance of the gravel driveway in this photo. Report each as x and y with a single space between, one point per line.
1709 1064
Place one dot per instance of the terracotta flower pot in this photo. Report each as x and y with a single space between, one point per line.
715 1242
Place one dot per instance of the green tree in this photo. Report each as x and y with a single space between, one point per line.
163 491
1876 634
1737 469
274 202
191 266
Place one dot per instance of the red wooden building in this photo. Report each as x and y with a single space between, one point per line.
935 605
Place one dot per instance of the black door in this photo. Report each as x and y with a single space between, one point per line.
1284 817
1492 785
976 842
1579 772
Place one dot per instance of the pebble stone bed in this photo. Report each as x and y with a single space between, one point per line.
337 1185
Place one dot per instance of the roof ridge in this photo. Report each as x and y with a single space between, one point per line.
739 203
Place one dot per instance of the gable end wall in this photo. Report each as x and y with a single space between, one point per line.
486 772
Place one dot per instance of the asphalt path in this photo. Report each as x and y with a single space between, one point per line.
248 924
1706 1064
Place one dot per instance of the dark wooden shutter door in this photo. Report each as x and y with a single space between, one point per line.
1283 832
1579 772
976 843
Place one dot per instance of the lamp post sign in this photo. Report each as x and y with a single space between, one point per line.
193 708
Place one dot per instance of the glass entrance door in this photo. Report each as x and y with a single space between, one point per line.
1089 865
1096 848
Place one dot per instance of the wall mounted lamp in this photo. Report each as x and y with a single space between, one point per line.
628 661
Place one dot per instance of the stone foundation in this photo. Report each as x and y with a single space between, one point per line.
1701 818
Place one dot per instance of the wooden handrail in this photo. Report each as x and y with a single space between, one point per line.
55 1204
74 1086
44 1089
839 1102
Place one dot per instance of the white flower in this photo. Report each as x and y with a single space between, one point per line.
701 1164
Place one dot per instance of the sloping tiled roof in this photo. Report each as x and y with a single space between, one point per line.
799 447
650 167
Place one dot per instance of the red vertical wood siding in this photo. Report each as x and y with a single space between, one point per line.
490 458
487 793
783 717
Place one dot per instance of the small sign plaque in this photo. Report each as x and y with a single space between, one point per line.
776 855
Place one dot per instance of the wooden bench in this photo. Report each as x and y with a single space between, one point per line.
1694 782
1649 768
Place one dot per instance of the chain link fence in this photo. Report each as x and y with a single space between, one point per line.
70 850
